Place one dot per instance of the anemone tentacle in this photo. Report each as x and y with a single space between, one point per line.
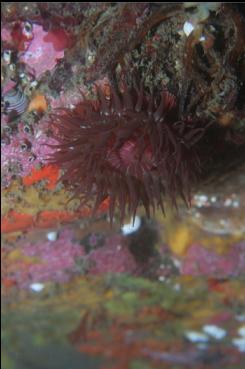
130 148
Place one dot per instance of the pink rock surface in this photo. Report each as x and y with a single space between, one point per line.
114 257
200 261
13 155
44 50
15 36
55 260
6 34
43 261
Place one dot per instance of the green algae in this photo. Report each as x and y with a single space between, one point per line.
157 314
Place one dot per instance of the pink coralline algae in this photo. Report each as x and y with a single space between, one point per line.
24 156
114 257
200 261
54 261
60 260
45 49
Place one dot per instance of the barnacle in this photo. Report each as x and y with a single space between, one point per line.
132 148
14 102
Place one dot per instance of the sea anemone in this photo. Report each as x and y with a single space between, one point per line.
131 147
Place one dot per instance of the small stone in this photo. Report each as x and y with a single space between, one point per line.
188 28
161 278
131 227
196 337
52 236
214 331
37 287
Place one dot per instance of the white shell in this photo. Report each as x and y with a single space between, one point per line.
214 331
37 287
131 227
188 28
52 236
196 337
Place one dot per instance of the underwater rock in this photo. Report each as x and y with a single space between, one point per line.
219 206
45 49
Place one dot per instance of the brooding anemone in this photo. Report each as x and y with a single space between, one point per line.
131 148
